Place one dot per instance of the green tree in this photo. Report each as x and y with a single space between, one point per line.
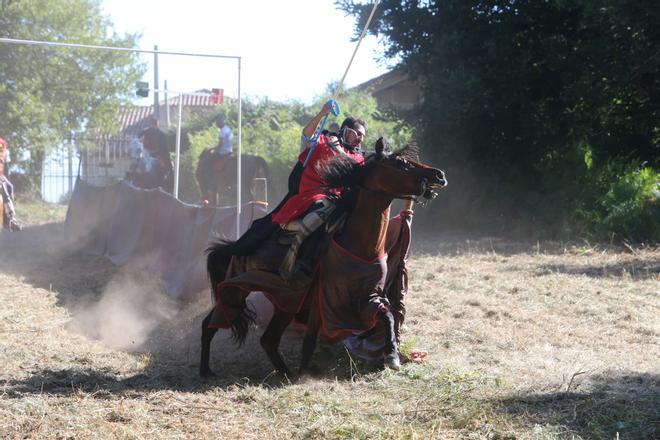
46 93
527 102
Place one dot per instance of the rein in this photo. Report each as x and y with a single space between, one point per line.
383 193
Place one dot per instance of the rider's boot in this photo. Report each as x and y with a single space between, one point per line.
391 354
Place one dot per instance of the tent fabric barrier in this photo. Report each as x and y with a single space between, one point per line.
152 231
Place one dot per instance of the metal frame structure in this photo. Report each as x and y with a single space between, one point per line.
161 52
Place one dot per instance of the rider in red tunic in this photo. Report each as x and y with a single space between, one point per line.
310 204
312 187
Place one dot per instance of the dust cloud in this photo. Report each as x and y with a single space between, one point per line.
130 308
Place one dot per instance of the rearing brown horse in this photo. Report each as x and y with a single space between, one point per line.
346 295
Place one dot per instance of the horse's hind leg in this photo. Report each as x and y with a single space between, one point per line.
391 347
207 336
270 340
311 336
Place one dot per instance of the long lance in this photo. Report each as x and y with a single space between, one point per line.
332 103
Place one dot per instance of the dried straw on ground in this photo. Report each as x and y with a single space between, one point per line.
526 340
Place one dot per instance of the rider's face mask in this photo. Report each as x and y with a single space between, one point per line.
351 138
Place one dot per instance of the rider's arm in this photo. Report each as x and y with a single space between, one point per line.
311 126
334 145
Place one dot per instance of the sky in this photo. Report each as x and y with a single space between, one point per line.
290 49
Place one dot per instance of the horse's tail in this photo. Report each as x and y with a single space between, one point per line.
202 163
218 258
254 167
261 162
241 325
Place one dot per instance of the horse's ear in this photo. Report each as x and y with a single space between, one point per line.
381 145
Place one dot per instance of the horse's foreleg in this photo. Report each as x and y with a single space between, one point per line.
311 336
207 336
270 340
391 346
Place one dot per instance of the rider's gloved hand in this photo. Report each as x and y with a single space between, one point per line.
333 142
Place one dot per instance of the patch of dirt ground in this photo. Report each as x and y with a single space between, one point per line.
526 340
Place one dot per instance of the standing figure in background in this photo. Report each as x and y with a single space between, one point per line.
7 201
155 143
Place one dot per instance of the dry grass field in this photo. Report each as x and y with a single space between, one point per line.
525 340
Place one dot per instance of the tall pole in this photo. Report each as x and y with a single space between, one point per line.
156 84
177 156
167 105
238 162
70 163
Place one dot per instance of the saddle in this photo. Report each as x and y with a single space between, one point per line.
219 163
267 243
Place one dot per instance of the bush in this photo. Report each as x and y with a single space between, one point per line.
631 206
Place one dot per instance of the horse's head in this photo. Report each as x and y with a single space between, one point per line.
398 174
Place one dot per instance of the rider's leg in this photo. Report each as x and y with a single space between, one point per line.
312 221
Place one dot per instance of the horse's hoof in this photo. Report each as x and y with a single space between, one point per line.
392 362
310 371
206 372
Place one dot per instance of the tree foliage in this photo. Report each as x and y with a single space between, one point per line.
526 102
46 93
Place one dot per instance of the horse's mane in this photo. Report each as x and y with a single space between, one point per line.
342 171
408 152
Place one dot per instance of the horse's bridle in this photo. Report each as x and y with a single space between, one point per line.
415 198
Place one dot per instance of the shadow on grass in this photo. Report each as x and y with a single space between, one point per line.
628 405
245 366
642 269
